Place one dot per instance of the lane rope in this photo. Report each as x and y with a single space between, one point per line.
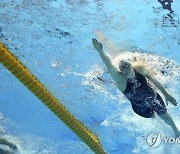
21 72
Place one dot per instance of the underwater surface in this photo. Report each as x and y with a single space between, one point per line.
53 39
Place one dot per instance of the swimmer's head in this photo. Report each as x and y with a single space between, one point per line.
126 68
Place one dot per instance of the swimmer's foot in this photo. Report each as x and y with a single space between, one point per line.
177 133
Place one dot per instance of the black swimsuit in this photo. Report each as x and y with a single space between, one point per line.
144 99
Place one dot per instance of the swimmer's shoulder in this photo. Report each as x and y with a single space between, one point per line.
140 69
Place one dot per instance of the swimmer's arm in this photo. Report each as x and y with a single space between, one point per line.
116 75
106 59
107 43
157 84
148 74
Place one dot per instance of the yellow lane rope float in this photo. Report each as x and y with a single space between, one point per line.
36 87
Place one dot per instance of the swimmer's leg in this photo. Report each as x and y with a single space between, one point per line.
153 116
5 151
169 121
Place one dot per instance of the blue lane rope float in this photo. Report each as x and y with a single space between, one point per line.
38 89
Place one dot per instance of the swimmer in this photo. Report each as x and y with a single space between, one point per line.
132 81
12 147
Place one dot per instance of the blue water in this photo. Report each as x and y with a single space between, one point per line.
53 39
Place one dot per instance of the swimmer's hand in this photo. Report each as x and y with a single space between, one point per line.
97 45
169 98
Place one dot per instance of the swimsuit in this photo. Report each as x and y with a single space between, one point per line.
144 99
